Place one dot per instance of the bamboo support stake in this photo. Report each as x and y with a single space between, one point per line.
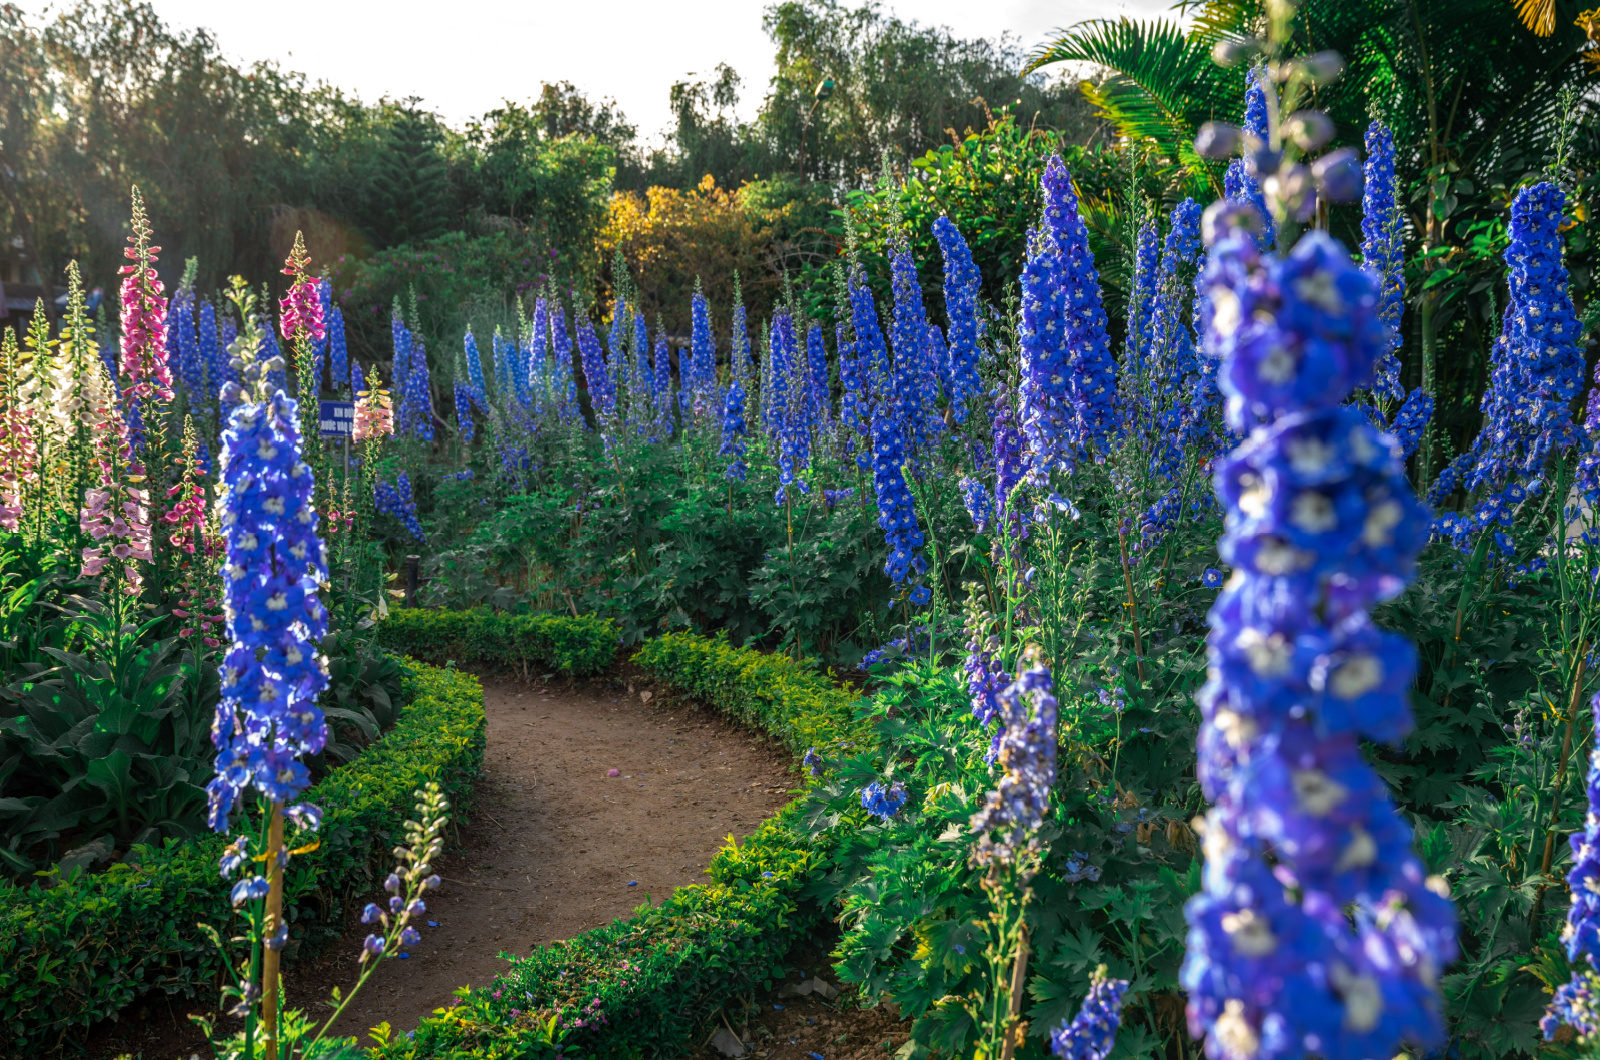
270 956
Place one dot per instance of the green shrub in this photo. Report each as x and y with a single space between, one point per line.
578 646
84 950
643 986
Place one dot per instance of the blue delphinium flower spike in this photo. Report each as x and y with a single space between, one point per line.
1091 1034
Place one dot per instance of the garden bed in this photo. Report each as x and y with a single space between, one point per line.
83 951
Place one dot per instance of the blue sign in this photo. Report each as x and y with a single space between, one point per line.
336 419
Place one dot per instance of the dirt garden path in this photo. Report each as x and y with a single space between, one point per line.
555 846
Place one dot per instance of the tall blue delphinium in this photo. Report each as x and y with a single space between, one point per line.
699 383
1333 948
464 424
1091 370
1010 465
537 343
1383 254
229 370
740 366
319 347
566 380
961 285
884 802
474 359
818 400
184 344
661 387
1535 371
358 379
897 515
1177 370
1577 1001
338 353
734 431
1142 303
938 357
213 357
517 365
419 394
1044 399
978 502
916 379
641 380
398 501
400 367
854 412
1587 481
1412 420
1091 1034
1008 822
272 675
1238 184
791 407
597 380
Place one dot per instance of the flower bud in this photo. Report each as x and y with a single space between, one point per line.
409 937
371 914
1309 129
1234 52
1262 161
1291 189
1224 216
1338 175
1320 68
1217 139
392 884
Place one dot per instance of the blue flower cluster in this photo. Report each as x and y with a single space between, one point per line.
184 345
338 351
319 347
733 431
358 379
213 357
819 403
1412 420
1142 303
980 505
1577 1002
464 424
661 389
1008 464
1336 947
1069 385
398 501
741 367
1238 184
1176 361
1012 813
1535 370
597 379
986 676
832 498
270 355
961 285
416 410
916 377
563 380
883 803
788 408
400 366
1383 253
1091 1034
272 674
854 404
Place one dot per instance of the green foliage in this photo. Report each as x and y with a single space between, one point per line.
645 986
410 199
577 646
86 948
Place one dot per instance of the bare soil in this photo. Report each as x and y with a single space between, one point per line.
555 846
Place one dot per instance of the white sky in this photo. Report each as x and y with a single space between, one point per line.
463 57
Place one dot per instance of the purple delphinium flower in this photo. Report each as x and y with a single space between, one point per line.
1175 369
740 366
1383 254
418 400
854 404
883 803
597 378
1238 184
1535 369
962 282
398 501
358 381
733 431
1335 948
897 514
1142 303
1412 420
788 407
1026 751
812 762
464 424
1045 404
400 367
184 343
661 388
1008 464
915 379
819 404
272 674
1577 1002
1074 307
1091 1034
338 351
979 504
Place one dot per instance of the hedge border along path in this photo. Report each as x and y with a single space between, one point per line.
82 951
580 647
645 985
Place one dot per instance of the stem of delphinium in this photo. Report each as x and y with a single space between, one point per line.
794 591
1133 610
1573 699
274 913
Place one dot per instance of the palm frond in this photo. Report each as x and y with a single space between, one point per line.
1537 15
1160 84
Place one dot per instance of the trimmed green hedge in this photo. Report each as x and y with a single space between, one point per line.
578 646
86 949
644 986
